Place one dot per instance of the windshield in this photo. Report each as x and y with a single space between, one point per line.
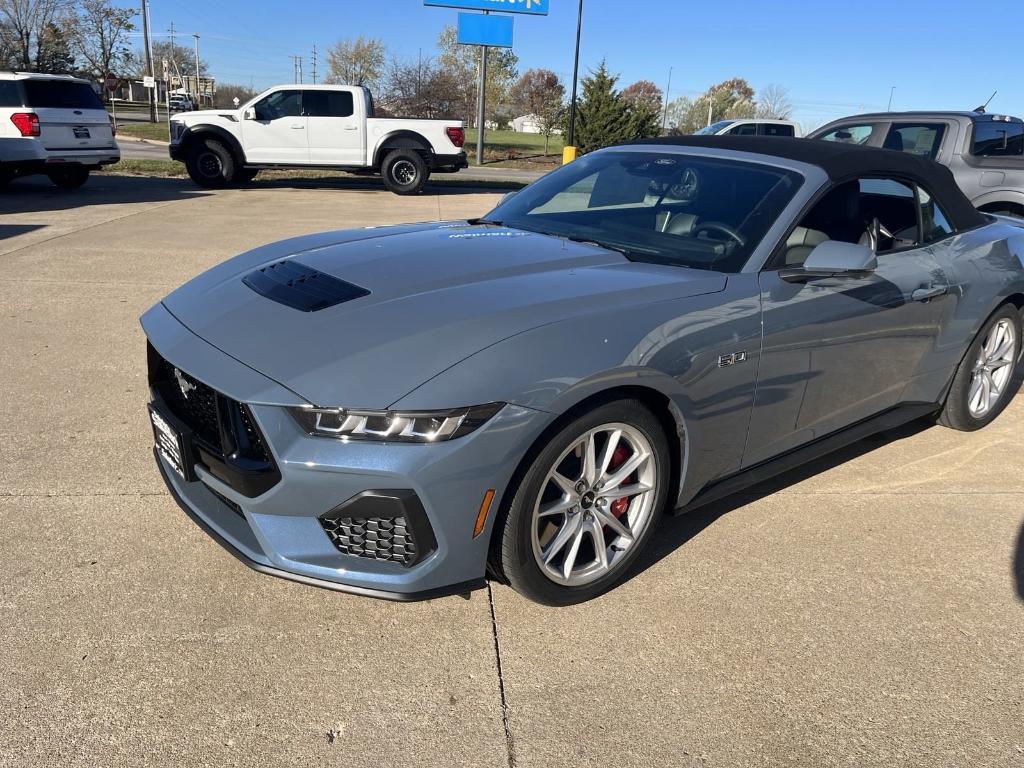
660 207
714 128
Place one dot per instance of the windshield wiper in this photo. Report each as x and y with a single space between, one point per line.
624 250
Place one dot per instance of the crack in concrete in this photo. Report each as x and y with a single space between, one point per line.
510 745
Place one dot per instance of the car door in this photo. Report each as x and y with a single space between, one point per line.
838 350
274 130
335 130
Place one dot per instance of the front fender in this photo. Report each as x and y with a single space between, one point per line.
671 348
204 130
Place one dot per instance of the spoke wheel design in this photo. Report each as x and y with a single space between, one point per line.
993 369
403 172
210 165
595 503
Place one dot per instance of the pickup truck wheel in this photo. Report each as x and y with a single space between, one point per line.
245 175
404 172
210 164
69 178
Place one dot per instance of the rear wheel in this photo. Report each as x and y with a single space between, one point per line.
984 383
69 178
404 172
245 175
210 164
587 505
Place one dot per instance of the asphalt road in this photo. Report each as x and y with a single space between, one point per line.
866 611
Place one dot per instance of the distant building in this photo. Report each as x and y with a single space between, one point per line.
529 124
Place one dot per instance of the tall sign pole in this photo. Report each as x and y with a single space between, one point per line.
569 153
148 50
199 90
481 98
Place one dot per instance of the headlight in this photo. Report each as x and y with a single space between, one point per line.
393 426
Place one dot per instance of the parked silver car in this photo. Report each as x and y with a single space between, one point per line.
985 152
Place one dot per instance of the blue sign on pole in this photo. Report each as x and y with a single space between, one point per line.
478 29
534 7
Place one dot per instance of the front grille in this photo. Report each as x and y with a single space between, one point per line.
228 442
377 538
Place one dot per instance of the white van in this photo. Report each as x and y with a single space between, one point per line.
54 125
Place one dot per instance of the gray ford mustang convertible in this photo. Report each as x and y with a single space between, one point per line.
399 411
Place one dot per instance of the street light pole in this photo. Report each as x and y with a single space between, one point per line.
664 117
575 76
891 92
199 90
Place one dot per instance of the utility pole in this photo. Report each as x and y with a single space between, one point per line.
575 78
199 90
664 117
174 56
149 60
314 63
297 69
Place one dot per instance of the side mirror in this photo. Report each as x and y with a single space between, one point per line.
833 259
250 114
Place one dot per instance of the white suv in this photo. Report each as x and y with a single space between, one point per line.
54 125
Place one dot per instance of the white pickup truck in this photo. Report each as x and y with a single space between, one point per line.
314 126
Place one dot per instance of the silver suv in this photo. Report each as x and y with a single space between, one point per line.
985 152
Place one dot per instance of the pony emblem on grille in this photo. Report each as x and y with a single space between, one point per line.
184 384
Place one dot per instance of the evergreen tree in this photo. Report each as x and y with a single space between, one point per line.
53 51
602 117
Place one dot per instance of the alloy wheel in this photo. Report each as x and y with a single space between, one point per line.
403 172
594 505
210 165
993 369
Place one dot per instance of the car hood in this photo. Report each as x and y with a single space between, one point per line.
438 293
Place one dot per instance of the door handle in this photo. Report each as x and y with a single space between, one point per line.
926 294
298 127
351 127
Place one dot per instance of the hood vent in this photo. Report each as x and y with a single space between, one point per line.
300 287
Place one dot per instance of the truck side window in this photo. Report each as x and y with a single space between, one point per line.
328 103
916 139
995 138
849 134
279 104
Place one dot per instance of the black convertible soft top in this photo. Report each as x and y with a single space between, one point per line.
844 161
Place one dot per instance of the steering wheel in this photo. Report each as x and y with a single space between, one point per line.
717 226
686 186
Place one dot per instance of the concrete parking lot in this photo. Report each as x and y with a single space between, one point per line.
865 611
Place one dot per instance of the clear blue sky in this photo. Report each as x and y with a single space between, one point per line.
834 58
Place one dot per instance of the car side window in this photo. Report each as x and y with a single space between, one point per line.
849 134
10 94
997 138
775 129
934 224
922 139
744 129
328 103
880 213
279 104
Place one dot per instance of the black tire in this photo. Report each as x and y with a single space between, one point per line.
210 164
69 178
956 412
6 177
246 175
515 547
404 172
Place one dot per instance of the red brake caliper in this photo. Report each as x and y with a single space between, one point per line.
619 506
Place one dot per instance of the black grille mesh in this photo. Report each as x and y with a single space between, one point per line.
377 538
198 410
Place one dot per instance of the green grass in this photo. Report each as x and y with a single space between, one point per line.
507 141
166 168
155 131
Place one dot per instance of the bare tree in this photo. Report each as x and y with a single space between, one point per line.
100 36
357 62
540 93
773 103
422 88
22 27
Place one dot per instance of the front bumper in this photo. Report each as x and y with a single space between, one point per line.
280 531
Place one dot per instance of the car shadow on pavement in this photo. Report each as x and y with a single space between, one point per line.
35 194
441 186
675 532
1018 564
